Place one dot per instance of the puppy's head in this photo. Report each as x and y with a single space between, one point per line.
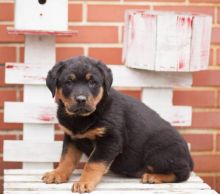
80 84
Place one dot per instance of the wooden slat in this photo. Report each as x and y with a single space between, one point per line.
30 151
119 192
109 186
19 112
123 76
75 177
14 31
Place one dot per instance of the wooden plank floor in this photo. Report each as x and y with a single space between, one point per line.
29 182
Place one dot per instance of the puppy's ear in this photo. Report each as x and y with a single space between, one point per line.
107 73
52 76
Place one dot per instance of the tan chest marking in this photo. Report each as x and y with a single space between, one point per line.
91 134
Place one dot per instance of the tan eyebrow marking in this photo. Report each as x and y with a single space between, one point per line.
88 76
72 76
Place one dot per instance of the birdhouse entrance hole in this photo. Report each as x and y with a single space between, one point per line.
42 1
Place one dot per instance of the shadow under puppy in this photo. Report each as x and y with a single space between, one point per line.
114 130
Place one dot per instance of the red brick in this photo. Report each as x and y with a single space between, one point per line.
211 57
1 185
5 126
218 56
7 95
2 75
193 98
218 15
107 55
7 38
21 50
134 93
215 35
217 188
67 52
204 1
200 142
218 98
8 165
157 0
195 9
5 137
109 13
92 34
7 54
210 180
75 12
206 163
7 11
206 78
218 142
206 120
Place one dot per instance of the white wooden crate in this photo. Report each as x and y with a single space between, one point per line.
166 41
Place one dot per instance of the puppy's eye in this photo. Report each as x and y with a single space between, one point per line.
68 82
92 83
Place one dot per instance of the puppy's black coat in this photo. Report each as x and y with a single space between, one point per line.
135 140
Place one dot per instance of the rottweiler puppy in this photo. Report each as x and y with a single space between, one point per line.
115 131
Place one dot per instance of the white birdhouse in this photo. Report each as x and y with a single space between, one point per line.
41 15
167 41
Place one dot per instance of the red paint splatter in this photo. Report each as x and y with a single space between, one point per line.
10 66
180 21
181 64
46 118
189 21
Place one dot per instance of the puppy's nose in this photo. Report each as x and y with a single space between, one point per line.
81 99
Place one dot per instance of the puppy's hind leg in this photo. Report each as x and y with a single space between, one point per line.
158 178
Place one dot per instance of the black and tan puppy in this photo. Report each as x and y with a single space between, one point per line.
114 130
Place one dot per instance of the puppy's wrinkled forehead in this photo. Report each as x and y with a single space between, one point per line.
80 70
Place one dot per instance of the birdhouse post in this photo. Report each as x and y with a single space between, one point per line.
40 21
164 42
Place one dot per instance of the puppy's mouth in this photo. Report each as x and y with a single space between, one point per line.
80 110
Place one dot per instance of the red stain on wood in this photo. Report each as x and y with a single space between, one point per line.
45 118
10 66
181 64
189 21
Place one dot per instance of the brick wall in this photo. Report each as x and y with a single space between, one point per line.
100 26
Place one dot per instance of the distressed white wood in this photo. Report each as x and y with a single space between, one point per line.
166 41
123 76
37 151
173 42
201 38
118 192
110 186
37 93
39 132
46 113
140 36
157 96
39 113
107 178
40 50
32 151
53 15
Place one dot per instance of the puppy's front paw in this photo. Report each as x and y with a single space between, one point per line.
82 187
151 178
54 177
